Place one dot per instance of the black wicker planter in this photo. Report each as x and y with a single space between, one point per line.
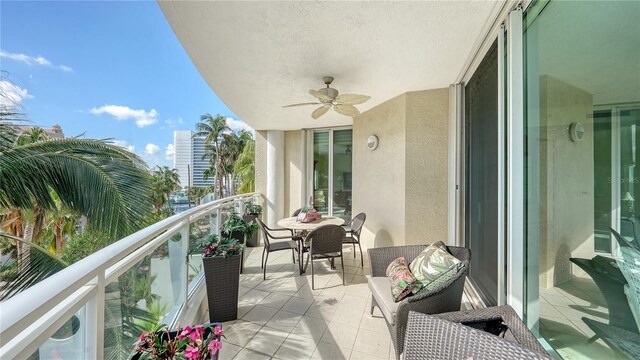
252 241
222 277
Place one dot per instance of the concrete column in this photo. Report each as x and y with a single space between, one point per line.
303 167
275 176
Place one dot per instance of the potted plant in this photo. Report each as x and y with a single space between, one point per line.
238 228
251 212
221 262
196 343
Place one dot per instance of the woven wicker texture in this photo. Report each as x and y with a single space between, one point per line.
445 298
481 319
222 277
353 234
326 242
270 247
431 338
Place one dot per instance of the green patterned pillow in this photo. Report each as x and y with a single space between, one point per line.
435 266
402 281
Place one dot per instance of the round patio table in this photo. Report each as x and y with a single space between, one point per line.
293 224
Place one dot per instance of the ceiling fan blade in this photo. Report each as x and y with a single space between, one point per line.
302 104
320 95
348 110
320 111
352 99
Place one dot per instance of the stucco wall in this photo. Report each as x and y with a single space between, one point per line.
379 175
261 163
402 185
566 181
292 172
426 162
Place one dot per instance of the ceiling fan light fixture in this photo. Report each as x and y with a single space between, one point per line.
329 98
330 92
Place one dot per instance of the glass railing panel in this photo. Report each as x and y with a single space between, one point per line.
68 342
149 293
199 230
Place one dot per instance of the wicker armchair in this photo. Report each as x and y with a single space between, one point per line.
495 333
445 298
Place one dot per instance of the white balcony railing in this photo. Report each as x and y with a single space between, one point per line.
148 276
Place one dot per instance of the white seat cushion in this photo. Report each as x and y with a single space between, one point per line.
381 290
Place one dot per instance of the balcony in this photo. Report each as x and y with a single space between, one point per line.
97 307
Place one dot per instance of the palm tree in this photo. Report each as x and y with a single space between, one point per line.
165 181
35 134
232 146
212 128
245 168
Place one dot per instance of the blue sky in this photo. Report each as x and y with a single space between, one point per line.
105 69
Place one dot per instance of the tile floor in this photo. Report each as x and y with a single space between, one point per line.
282 318
561 311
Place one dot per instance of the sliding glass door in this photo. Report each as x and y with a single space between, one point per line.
332 179
582 129
481 160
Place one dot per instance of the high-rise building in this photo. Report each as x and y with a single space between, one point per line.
187 158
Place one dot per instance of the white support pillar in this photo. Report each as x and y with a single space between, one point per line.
275 176
303 167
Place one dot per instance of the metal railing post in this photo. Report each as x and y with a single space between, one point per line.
94 329
184 236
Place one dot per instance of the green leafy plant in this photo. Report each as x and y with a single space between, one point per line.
215 246
250 208
235 223
199 342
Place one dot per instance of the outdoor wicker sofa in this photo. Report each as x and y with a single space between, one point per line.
444 298
494 333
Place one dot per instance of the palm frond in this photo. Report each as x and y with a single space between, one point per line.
35 265
107 184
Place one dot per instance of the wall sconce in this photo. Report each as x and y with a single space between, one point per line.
372 142
576 131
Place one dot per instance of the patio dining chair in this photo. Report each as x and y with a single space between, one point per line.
325 243
353 229
269 247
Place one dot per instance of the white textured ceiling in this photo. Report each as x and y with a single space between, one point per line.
259 56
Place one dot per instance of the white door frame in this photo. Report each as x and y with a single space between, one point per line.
309 168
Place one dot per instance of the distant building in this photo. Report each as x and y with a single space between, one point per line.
187 158
54 133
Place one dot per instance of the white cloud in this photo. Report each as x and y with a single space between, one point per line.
13 95
237 125
152 149
142 117
124 144
169 152
174 122
33 60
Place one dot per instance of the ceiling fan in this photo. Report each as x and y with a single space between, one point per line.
328 97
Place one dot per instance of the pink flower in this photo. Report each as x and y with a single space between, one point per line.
214 346
206 251
217 331
141 338
191 352
196 333
185 332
